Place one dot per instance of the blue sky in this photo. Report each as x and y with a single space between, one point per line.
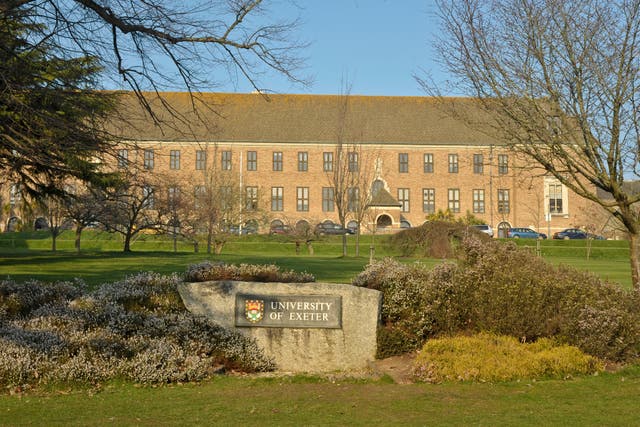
375 45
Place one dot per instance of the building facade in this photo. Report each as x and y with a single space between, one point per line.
280 153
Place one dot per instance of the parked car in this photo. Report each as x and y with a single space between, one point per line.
280 229
246 229
525 233
484 228
575 233
328 227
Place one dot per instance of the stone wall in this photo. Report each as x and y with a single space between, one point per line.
309 327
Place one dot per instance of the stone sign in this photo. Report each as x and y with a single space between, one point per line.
303 327
286 311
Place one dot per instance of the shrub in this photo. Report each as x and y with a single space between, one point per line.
434 239
206 271
136 329
499 288
489 357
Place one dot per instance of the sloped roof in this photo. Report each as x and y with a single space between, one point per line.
382 198
233 117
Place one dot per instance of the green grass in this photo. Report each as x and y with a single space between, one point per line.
607 399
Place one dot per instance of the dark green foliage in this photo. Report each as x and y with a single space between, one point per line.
498 288
49 121
434 239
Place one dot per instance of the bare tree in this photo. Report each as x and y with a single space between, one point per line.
84 210
349 172
53 209
136 205
560 83
162 44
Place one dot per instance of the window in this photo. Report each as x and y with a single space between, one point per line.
353 199
403 162
503 164
148 198
123 158
277 203
226 197
302 199
252 160
453 163
199 193
555 198
201 159
327 161
353 161
173 197
174 159
478 201
428 200
303 161
403 198
226 161
251 198
503 201
148 159
478 166
454 200
428 163
328 199
15 194
277 161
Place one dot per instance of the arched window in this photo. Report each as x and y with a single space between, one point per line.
503 227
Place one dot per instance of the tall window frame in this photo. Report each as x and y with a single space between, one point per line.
149 158
478 164
277 161
453 163
503 164
201 159
478 200
252 160
251 198
555 198
328 199
277 199
403 162
302 199
403 198
174 159
429 200
123 158
453 200
428 162
327 161
352 158
225 160
303 161
504 204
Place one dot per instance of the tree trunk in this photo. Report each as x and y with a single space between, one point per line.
127 243
53 242
634 255
78 235
344 244
358 241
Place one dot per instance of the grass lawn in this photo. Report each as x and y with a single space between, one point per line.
607 399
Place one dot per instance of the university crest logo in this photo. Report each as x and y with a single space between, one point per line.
254 310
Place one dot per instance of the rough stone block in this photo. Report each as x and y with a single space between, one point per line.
304 327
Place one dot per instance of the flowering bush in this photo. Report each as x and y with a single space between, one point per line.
136 329
497 287
489 357
206 271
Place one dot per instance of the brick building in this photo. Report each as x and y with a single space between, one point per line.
417 159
